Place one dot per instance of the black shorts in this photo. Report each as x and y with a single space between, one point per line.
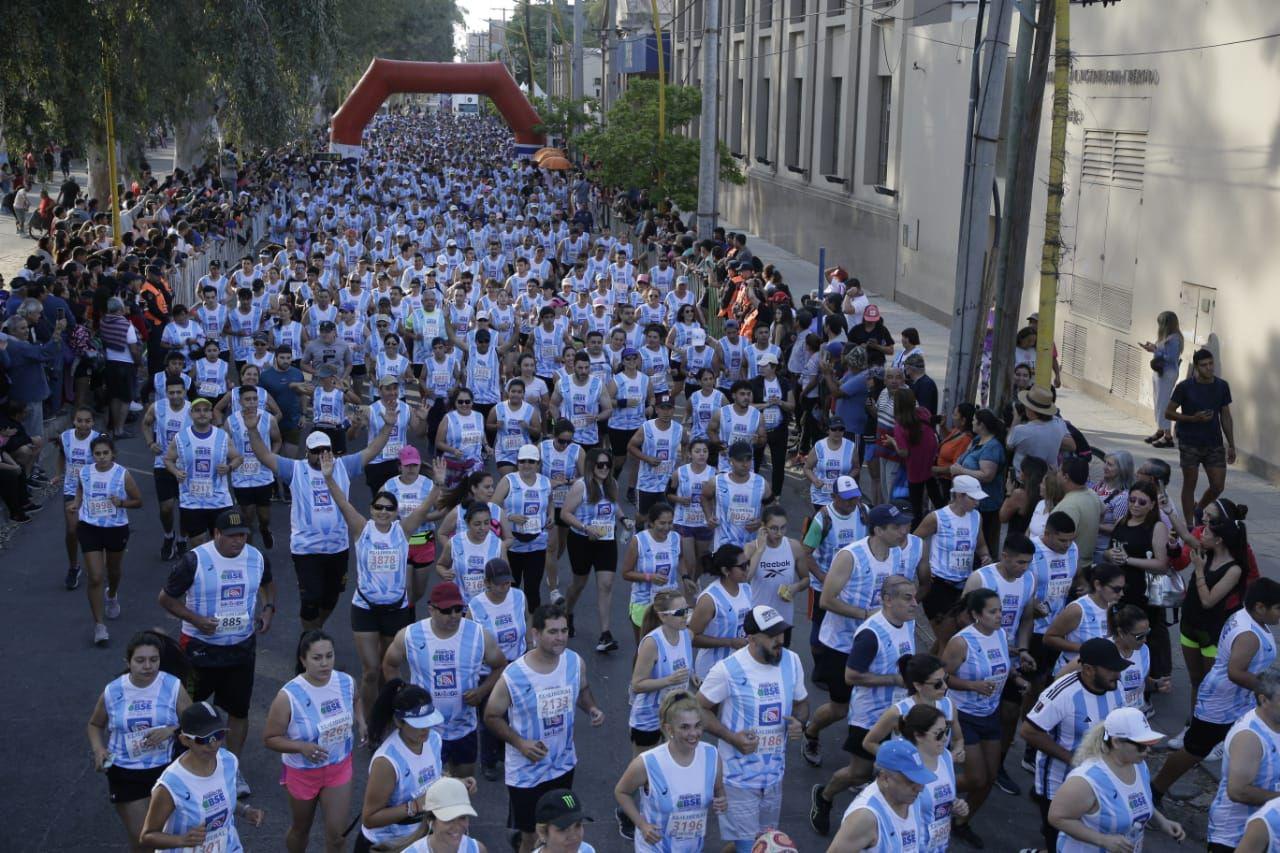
555 513
828 667
129 786
853 743
231 687
321 580
337 439
119 381
977 729
618 441
197 521
381 620
253 495
586 554
941 600
521 802
166 485
463 750
646 500
94 538
1045 657
1202 737
644 739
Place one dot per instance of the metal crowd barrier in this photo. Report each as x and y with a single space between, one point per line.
228 252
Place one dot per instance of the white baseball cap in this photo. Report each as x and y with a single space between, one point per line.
966 485
847 488
1130 724
767 358
697 337
528 451
317 440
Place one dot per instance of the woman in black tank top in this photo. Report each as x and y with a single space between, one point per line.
1139 543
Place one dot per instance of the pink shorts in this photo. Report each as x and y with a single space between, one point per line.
306 783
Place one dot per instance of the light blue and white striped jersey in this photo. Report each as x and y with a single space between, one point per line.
466 433
633 391
753 696
839 532
1093 623
1133 679
1014 596
251 471
727 622
1221 700
737 505
893 833
986 659
1269 815
1227 818
242 328
160 379
671 657
323 716
211 378
207 801
447 667
132 712
76 454
733 360
414 773
892 642
752 354
865 583
482 374
513 430
703 405
580 404
382 573
98 488
547 345
409 496
677 798
1066 710
328 408
543 708
199 457
423 845
399 437
663 445
505 620
656 364
735 427
935 803
601 517
316 526
534 503
226 589
440 376
1053 573
689 484
830 466
560 463
661 559
1123 808
954 546
167 425
469 560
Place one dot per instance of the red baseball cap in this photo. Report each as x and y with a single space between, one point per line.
871 313
446 594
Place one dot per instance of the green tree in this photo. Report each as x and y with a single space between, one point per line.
630 154
563 117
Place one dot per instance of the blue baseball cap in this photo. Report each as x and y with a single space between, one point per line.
903 757
883 514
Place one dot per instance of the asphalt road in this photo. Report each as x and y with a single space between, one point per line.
52 800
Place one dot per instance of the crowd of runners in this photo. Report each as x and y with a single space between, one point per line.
513 382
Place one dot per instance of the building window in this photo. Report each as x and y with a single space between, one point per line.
797 11
679 12
739 15
696 20
835 7
795 100
766 13
735 118
764 91
832 140
878 132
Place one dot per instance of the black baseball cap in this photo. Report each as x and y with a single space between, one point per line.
200 720
1099 651
231 522
560 808
740 450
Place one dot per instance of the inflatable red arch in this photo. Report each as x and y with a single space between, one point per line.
388 76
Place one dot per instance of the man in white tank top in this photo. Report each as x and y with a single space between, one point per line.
956 547
884 816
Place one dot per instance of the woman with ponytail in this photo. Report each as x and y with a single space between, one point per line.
1215 590
717 621
927 729
925 680
664 664
1086 617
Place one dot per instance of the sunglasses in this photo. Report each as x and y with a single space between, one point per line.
1140 635
743 566
464 402
450 611
940 684
1141 747
384 508
835 429
678 612
1116 589
943 734
211 738
601 465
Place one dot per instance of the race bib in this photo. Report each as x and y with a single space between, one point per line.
392 449
250 467
101 507
688 824
772 739
210 389
510 442
772 417
481 373
135 744
602 529
960 562
473 584
553 704
334 731
741 515
200 488
384 562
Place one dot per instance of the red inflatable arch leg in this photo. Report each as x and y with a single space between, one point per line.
388 76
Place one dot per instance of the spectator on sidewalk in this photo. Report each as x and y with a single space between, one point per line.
1203 423
1166 357
1042 433
27 364
921 384
1084 507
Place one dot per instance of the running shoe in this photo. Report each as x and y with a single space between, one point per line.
555 596
242 787
811 751
490 772
819 811
32 507
73 578
21 517
1029 760
100 635
135 407
1005 783
113 607
1175 742
631 495
966 834
626 828
606 643
1215 754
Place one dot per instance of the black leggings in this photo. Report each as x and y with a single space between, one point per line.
809 431
13 490
526 570
776 442
1158 642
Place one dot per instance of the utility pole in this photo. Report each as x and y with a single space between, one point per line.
1024 138
528 51
708 133
549 42
606 59
579 21
980 175
1051 253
